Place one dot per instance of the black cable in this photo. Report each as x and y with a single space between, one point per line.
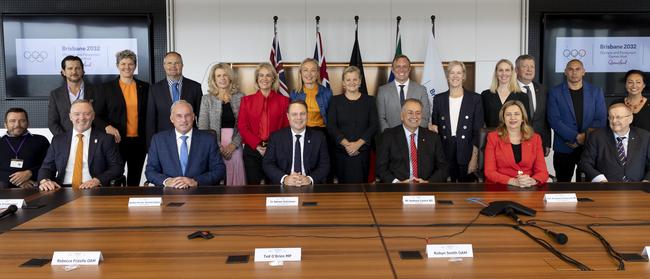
554 251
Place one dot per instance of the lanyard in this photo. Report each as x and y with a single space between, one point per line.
19 146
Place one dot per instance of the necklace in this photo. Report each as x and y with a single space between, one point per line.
635 107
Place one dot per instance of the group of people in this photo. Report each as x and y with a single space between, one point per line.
313 137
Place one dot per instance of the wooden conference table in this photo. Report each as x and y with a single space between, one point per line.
354 231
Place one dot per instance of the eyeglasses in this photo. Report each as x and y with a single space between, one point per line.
617 118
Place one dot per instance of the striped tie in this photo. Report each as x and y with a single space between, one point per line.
621 150
414 156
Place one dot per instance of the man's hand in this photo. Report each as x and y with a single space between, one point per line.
181 182
20 177
296 180
90 184
48 185
114 132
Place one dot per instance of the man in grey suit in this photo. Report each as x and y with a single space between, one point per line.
619 153
391 96
525 68
74 88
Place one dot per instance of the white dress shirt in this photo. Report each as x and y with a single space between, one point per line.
406 88
454 113
69 168
532 93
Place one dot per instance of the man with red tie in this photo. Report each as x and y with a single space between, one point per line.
409 153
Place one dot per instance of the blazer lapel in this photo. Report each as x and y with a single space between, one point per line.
566 95
394 95
445 112
172 147
308 154
632 147
508 155
92 147
611 146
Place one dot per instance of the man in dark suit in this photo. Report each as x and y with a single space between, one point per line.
167 91
58 110
619 153
84 157
297 155
409 153
184 157
392 95
574 108
525 68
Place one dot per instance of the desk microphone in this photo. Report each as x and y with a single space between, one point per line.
560 238
10 210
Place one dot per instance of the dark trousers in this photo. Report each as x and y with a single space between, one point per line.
565 164
133 151
457 171
351 169
253 165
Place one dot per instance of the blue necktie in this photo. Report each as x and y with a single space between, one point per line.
175 94
297 159
184 154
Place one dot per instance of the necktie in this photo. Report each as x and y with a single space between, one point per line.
297 158
184 154
530 99
175 94
414 156
402 98
622 157
78 162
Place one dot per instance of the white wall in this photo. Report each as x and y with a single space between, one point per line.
242 30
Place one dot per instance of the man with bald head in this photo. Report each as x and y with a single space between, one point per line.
619 153
83 158
184 157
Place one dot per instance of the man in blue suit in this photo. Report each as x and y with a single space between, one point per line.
297 155
84 157
574 109
184 157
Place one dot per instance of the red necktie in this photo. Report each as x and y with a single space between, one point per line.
414 156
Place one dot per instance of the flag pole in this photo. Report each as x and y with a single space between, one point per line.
275 25
317 23
433 25
356 23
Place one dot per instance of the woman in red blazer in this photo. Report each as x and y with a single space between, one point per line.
514 154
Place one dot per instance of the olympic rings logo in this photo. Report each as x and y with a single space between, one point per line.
574 53
35 56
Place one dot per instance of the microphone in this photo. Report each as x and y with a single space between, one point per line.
560 238
10 210
510 212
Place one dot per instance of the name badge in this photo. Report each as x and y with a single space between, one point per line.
645 251
450 251
278 254
16 163
419 199
566 198
77 258
142 202
282 201
4 203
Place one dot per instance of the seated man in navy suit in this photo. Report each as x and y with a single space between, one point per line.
409 153
297 155
82 158
184 157
619 153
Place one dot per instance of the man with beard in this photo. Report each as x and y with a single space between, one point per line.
21 153
72 70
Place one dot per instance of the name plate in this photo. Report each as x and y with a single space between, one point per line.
278 254
4 203
282 201
551 198
645 251
142 202
450 251
76 258
419 199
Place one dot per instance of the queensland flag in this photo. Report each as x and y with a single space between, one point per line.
276 61
322 64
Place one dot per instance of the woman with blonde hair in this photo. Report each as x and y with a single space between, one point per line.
514 154
219 111
504 88
260 114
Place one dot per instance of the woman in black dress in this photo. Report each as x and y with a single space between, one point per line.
352 122
504 88
634 85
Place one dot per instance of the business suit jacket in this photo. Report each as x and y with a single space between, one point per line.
500 165
539 120
104 160
389 107
159 103
562 117
468 130
111 106
278 159
601 156
58 109
204 162
210 116
393 156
